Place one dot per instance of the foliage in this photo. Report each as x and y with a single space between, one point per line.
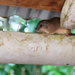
22 69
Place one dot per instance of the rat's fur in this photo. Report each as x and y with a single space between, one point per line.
51 26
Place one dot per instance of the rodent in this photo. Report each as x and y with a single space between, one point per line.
51 26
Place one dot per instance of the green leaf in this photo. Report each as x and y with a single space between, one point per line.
2 72
46 68
69 69
54 72
12 65
7 68
64 69
2 66
29 69
22 29
31 25
73 31
17 69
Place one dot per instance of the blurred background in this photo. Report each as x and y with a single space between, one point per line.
17 24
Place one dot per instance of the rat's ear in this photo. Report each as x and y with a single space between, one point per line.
44 22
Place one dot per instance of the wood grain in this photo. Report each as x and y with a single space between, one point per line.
8 2
54 5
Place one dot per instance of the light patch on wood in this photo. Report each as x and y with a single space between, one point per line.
1 43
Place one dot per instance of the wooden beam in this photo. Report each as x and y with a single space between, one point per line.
54 5
8 2
25 48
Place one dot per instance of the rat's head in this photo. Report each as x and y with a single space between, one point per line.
41 26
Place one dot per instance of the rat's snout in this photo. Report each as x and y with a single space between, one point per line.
36 29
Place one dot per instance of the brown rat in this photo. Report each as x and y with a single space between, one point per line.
51 26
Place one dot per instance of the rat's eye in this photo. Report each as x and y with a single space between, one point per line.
40 25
